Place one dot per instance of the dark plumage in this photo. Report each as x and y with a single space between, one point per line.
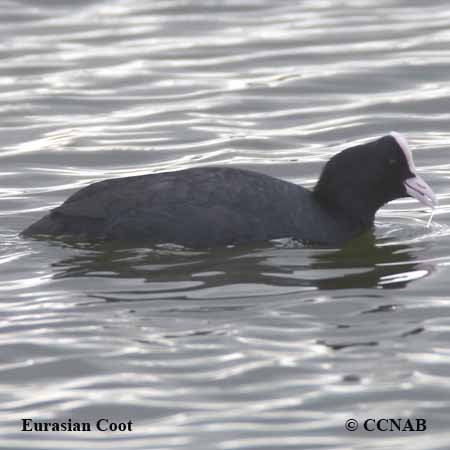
204 207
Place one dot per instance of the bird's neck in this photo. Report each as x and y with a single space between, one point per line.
356 213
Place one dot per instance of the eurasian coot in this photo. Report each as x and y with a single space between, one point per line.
211 206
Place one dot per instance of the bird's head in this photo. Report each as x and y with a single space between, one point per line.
359 180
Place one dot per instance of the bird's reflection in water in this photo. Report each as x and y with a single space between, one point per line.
362 263
234 281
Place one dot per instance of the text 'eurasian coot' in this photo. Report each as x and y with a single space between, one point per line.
210 206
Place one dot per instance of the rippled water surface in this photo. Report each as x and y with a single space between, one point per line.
272 346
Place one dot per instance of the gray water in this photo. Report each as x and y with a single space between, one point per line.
271 346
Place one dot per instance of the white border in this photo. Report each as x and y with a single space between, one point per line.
403 144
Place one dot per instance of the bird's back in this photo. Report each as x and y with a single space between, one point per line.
194 207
